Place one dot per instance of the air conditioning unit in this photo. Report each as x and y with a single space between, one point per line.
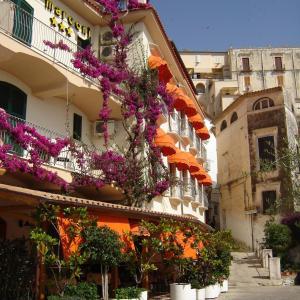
107 38
99 130
107 53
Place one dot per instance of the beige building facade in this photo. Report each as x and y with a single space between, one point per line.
220 77
251 130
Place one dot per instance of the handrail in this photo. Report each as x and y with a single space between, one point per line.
24 27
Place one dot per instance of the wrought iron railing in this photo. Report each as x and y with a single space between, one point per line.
174 123
65 160
23 26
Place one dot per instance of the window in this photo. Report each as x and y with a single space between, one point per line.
23 19
77 127
268 201
13 100
82 44
266 152
280 80
234 117
200 88
223 125
278 63
246 64
247 83
263 103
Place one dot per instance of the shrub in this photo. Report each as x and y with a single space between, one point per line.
293 222
65 298
277 237
129 293
17 270
82 290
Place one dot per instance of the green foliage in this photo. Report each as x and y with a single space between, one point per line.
48 246
65 298
129 293
82 290
214 259
277 237
102 245
17 270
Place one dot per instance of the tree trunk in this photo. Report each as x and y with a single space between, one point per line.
104 278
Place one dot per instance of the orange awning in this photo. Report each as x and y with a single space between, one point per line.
180 99
164 142
191 109
203 133
194 165
200 175
197 121
207 181
180 159
156 62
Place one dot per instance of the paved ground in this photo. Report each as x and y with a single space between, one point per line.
262 293
249 281
246 270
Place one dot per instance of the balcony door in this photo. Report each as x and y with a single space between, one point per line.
23 20
13 101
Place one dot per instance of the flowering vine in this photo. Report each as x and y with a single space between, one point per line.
137 168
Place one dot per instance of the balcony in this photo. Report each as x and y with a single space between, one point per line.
174 125
176 194
64 161
65 165
24 55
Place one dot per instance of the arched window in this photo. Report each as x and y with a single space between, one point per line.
234 117
263 103
223 125
13 100
200 88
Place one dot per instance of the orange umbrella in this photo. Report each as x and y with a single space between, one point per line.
156 62
197 121
164 142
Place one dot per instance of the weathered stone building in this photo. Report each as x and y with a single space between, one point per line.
250 131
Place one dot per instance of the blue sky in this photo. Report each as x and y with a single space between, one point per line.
216 25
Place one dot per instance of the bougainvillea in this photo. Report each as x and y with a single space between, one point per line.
137 168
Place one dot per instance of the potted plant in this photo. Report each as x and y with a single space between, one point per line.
224 245
103 247
132 293
207 266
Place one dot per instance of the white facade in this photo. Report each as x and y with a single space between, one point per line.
56 91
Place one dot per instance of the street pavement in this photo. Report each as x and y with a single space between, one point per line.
262 293
249 281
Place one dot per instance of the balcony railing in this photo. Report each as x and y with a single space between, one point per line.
174 123
65 159
23 26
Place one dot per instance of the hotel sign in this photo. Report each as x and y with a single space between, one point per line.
60 19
